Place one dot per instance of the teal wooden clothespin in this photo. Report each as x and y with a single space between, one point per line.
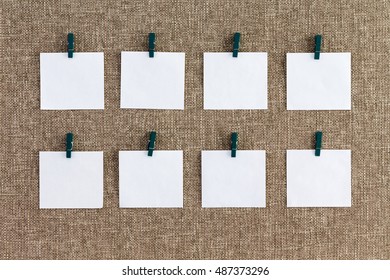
318 143
70 45
236 44
69 144
152 143
317 50
152 44
234 143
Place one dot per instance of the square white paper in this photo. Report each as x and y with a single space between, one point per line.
323 84
152 82
233 182
75 182
151 182
235 82
323 181
72 83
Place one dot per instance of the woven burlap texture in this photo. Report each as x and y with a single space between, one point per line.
276 27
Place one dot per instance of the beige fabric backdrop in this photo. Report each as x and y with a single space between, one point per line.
30 27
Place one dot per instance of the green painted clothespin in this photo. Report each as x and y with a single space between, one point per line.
152 143
236 44
70 45
69 144
317 49
152 44
234 143
318 143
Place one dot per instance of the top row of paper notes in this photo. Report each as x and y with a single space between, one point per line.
230 83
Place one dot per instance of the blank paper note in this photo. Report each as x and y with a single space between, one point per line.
323 84
233 182
323 181
151 182
75 182
235 82
72 83
152 82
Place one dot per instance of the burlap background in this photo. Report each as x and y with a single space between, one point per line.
194 27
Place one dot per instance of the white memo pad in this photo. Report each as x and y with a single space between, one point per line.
75 182
323 84
233 182
235 82
323 181
152 82
72 83
151 182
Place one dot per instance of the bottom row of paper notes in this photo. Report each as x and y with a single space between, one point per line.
157 181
